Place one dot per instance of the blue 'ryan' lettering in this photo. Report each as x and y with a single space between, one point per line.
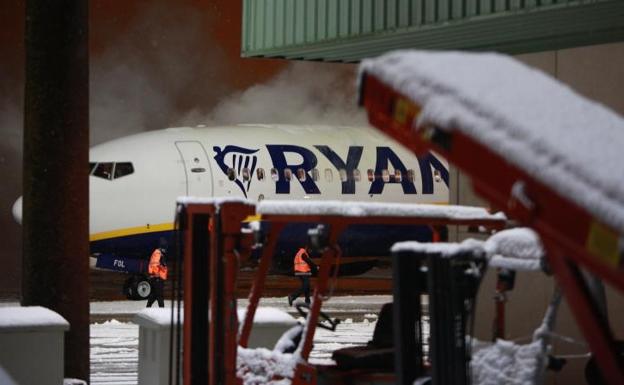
426 175
278 157
353 160
385 155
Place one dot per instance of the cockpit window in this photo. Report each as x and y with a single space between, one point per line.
91 167
111 170
123 169
104 170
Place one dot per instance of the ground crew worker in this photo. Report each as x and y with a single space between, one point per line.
303 267
157 271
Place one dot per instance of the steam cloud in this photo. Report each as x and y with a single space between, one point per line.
156 72
304 93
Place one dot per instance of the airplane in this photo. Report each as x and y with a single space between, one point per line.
135 181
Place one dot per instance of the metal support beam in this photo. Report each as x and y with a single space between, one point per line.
409 284
56 154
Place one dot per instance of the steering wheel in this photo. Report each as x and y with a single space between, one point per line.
326 322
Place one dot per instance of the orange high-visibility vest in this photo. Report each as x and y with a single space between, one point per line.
155 269
162 273
301 266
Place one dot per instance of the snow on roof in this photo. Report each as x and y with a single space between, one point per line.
268 315
517 264
444 249
156 317
520 242
515 249
535 122
161 317
184 200
373 209
30 318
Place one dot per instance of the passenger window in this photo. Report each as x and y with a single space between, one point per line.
356 175
246 175
231 173
397 176
385 175
104 170
328 175
260 174
371 174
343 174
411 175
437 176
288 174
315 174
274 175
301 174
123 169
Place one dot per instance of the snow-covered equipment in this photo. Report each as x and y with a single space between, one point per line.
507 362
550 158
453 274
215 242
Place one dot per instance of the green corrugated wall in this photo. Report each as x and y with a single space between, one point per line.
347 30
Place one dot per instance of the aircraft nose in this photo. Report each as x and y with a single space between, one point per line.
17 210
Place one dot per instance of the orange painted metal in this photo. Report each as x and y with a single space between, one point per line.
227 245
565 228
226 242
224 268
259 282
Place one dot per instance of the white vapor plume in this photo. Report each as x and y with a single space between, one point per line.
304 93
146 78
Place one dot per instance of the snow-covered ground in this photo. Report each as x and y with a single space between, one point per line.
114 344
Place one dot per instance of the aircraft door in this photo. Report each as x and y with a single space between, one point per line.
197 169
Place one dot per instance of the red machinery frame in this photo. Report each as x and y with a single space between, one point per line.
214 246
571 236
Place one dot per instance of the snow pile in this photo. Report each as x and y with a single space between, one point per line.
262 366
505 362
156 317
162 316
515 249
30 318
184 200
562 139
268 315
375 209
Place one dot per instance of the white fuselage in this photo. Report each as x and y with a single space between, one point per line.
324 163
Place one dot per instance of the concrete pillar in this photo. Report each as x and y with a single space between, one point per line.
56 155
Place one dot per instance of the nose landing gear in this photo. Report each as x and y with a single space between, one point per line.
137 287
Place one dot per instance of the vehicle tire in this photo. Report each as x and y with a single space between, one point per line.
138 288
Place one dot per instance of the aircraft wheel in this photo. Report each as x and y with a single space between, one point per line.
126 288
137 288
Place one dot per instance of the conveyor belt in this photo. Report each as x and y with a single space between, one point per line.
548 157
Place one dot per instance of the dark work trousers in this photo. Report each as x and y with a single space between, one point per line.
157 292
304 289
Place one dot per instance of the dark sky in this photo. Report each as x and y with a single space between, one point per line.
153 62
